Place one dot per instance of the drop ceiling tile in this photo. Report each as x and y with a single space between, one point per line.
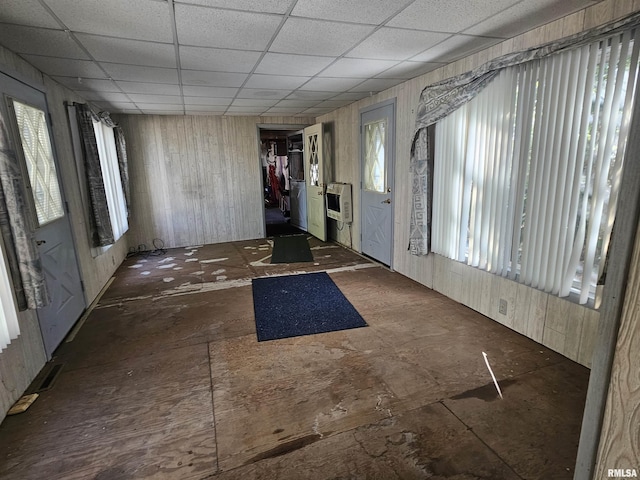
160 106
331 84
285 64
318 37
524 16
253 102
151 111
87 84
357 68
200 26
299 104
376 85
373 12
40 41
283 110
352 96
455 47
149 88
265 6
205 109
212 102
407 70
439 16
65 67
247 110
26 12
104 96
310 95
136 73
132 52
198 91
396 44
141 20
213 79
115 106
318 111
218 59
264 94
275 82
141 98
333 104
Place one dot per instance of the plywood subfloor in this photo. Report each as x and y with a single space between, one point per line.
166 380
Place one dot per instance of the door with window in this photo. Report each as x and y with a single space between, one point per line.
377 127
316 182
26 111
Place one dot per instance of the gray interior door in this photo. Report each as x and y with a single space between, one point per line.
377 127
26 109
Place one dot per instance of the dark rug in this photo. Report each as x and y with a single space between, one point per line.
305 304
291 249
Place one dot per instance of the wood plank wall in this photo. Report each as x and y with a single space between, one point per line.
195 179
559 324
25 356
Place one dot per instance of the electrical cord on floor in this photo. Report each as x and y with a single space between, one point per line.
142 251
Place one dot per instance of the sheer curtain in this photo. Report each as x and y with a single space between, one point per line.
526 174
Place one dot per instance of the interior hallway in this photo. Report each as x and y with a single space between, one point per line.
166 380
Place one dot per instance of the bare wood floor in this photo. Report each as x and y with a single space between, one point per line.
166 380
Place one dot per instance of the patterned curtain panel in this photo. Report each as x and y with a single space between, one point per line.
22 254
101 231
123 164
442 98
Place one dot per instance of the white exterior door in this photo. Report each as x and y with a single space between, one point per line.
316 183
377 128
26 109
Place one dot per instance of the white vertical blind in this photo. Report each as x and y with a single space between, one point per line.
526 174
9 327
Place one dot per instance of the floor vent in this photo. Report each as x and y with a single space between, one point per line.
50 378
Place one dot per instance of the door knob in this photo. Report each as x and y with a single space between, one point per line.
388 200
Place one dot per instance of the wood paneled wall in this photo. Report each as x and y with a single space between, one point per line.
195 179
25 356
559 324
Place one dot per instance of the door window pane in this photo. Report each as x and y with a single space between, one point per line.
374 159
36 145
314 174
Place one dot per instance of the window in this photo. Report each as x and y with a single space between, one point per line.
526 174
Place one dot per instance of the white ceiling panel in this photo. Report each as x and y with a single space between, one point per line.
286 64
248 102
299 104
309 95
275 81
149 88
259 93
376 85
396 44
283 111
200 26
136 73
199 91
439 16
333 104
204 109
132 52
358 68
218 59
40 41
318 37
88 84
213 79
372 12
331 84
142 19
141 98
116 106
160 106
351 96
317 111
455 47
265 6
26 12
407 70
104 96
524 16
212 102
247 110
65 67
152 111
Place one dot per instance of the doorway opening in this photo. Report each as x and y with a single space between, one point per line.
283 182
